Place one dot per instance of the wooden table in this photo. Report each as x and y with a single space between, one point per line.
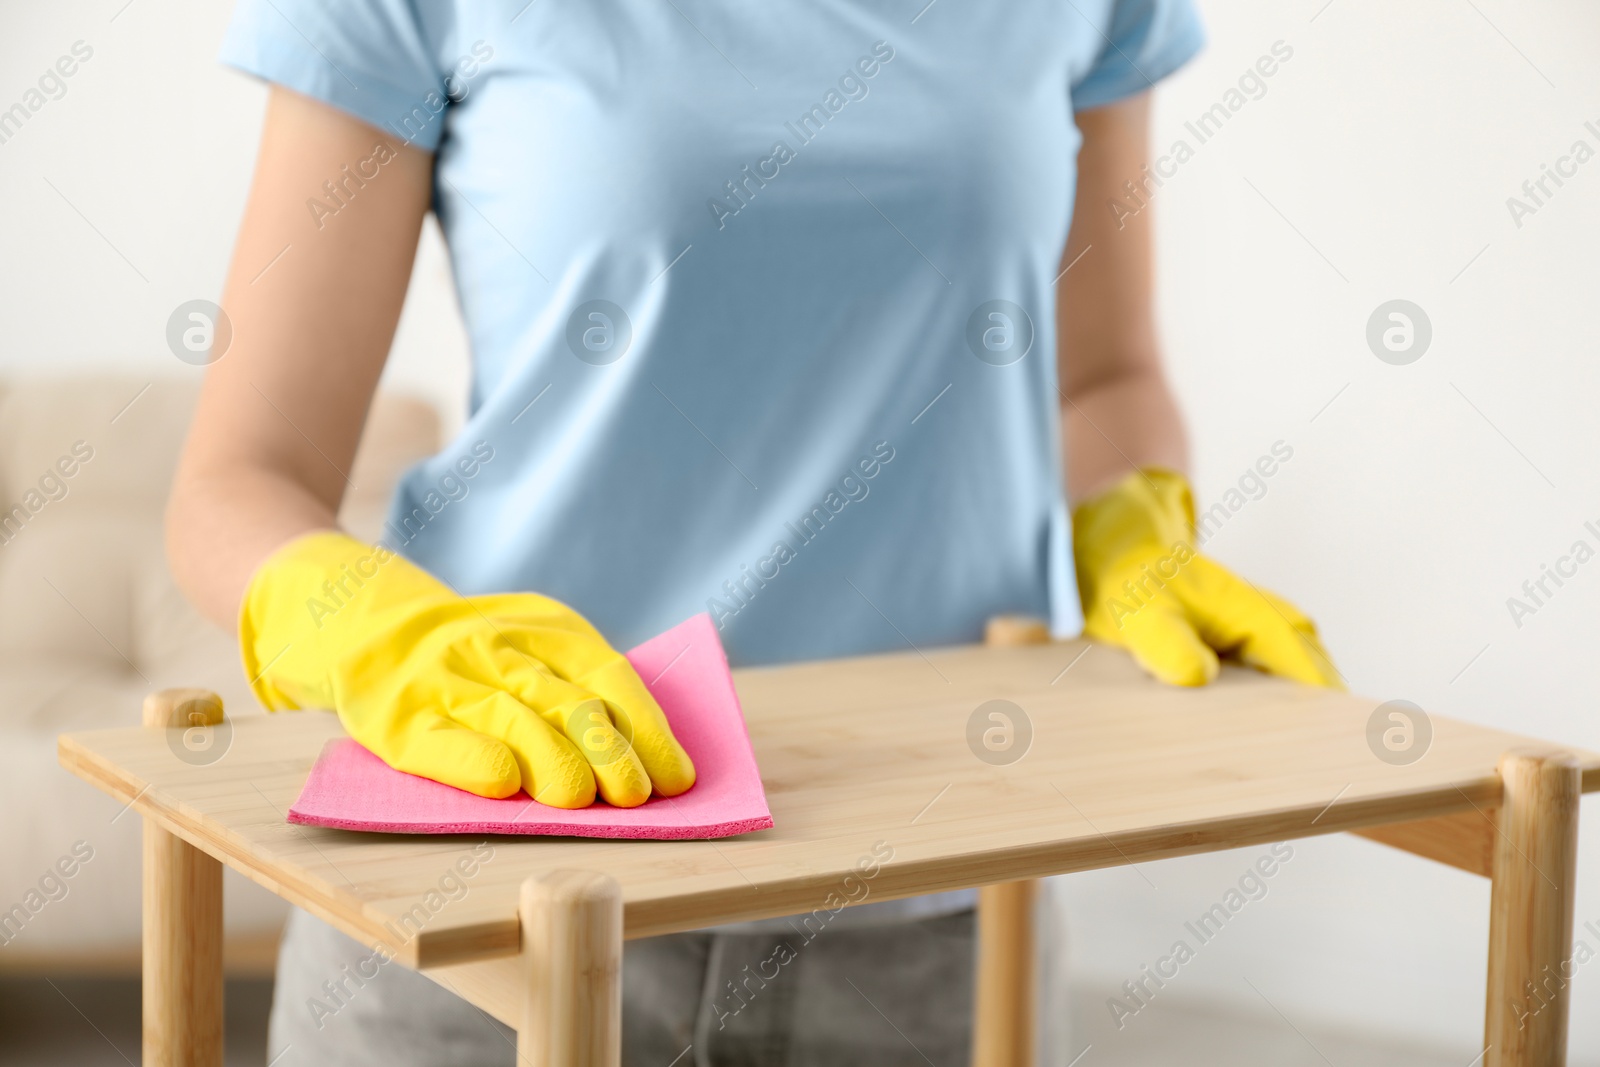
877 765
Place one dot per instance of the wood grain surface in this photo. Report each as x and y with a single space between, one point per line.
868 767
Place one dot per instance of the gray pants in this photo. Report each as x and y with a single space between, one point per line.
900 993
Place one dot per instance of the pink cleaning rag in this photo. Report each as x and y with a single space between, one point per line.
687 671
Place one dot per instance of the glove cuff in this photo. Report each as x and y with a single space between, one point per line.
289 619
1152 507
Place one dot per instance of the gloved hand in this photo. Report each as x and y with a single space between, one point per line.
485 693
1145 588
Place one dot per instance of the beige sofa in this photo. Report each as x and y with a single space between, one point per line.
90 621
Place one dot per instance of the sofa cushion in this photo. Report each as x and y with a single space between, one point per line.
91 621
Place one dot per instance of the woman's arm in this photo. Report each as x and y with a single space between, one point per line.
1118 412
1143 584
530 699
313 306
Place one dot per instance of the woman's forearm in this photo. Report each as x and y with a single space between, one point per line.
1120 424
1118 412
221 525
274 435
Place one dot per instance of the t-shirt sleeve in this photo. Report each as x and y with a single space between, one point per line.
371 58
1145 41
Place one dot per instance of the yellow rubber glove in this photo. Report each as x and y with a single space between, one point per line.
485 693
1146 588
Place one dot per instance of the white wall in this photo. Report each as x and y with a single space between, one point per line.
1415 504
154 144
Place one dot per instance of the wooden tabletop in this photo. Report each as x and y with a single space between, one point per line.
871 765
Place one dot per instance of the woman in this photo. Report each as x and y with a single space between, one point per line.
774 314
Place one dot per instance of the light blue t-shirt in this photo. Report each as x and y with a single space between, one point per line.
761 297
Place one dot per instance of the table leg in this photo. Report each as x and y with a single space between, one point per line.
1004 1022
1004 995
1530 912
182 886
572 971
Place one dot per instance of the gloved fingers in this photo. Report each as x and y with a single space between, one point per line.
1235 618
556 663
431 745
1293 615
618 771
638 714
1296 618
488 657
1328 675
552 668
580 716
549 765
1165 643
1322 669
1331 678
